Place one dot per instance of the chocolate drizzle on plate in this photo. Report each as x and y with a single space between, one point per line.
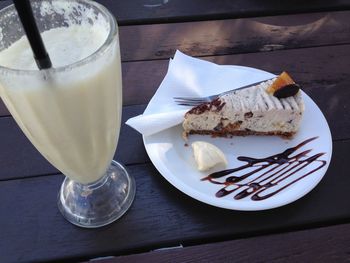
263 178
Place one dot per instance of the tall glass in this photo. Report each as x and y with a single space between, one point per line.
72 113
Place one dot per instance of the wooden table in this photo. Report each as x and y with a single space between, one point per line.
309 39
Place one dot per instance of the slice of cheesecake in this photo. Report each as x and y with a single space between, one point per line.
257 110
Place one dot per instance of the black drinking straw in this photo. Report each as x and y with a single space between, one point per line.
26 16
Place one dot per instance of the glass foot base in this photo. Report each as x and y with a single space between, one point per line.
99 203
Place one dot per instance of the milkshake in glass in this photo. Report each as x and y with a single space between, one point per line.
72 112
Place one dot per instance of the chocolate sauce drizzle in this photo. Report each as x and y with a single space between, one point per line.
275 170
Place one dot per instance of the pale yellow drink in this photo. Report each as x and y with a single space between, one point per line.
72 114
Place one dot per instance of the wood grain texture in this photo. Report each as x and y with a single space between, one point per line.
232 36
328 244
137 11
221 37
33 230
322 71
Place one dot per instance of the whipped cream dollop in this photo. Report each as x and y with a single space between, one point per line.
207 155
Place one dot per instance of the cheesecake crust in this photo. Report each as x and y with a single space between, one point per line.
229 133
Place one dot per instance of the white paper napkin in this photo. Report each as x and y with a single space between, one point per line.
189 76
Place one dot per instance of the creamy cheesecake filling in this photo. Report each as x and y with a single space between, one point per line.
247 111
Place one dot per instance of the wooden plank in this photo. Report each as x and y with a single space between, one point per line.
327 244
317 69
222 37
33 230
232 36
323 72
3 110
137 11
19 158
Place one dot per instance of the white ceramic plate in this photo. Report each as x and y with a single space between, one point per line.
175 161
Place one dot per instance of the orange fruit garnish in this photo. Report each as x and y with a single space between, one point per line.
282 80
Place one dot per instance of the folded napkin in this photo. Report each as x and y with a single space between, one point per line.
190 77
